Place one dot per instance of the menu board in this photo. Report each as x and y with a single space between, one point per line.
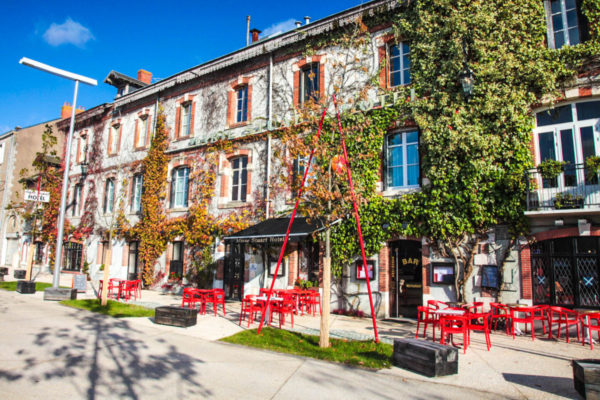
79 282
489 276
360 271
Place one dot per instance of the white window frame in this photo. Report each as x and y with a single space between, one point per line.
238 188
400 46
186 119
565 30
114 132
405 165
142 131
302 83
136 193
2 152
241 105
76 199
109 196
575 126
180 185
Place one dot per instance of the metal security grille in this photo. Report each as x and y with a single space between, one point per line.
566 272
72 256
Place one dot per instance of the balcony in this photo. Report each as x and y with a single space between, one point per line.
573 191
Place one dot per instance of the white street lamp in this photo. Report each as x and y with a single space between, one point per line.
63 201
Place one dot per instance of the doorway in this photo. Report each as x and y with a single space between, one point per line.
233 274
406 278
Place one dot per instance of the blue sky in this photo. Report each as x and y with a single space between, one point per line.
92 38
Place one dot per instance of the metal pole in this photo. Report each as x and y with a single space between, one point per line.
63 199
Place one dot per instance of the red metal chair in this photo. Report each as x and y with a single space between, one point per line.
217 298
478 321
541 314
114 288
526 318
591 322
563 316
436 304
499 311
475 307
426 315
281 308
314 300
455 324
190 297
250 308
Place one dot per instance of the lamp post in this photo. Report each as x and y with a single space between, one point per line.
467 80
63 200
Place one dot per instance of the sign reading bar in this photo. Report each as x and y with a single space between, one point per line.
32 195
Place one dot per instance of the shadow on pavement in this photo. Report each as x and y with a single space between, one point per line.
103 356
551 384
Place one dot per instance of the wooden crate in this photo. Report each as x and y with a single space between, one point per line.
586 378
19 273
175 316
426 358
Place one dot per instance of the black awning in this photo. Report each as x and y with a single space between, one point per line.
273 231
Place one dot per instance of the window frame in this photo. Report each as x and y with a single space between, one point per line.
405 164
303 96
401 55
137 188
142 132
109 206
581 24
77 190
185 129
239 188
114 139
175 189
241 113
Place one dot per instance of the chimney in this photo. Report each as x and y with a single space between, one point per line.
298 24
254 33
306 20
144 76
65 111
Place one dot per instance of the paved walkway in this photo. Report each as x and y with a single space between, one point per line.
522 368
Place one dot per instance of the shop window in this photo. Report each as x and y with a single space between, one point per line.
72 256
133 260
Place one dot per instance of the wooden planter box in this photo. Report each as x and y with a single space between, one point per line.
175 316
426 358
19 273
586 378
26 287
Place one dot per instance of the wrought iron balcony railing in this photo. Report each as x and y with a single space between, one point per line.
573 188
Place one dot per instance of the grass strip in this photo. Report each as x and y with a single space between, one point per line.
361 353
112 308
12 286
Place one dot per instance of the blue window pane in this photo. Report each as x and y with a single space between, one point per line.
395 156
395 139
394 51
412 154
406 77
406 61
395 64
574 36
557 22
412 137
587 141
405 48
413 175
555 5
558 115
396 177
572 18
588 110
559 40
570 4
546 142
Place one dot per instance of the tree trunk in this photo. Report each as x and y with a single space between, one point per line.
107 260
29 260
325 300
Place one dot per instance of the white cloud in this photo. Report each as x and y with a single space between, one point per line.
68 32
279 27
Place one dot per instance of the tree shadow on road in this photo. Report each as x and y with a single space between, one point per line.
103 356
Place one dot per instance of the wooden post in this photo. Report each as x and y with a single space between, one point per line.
30 260
324 334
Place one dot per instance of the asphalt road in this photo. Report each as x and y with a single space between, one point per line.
53 352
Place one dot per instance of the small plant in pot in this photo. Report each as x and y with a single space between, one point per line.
592 167
567 201
550 169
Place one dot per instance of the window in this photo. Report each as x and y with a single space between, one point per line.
399 64
142 131
72 256
186 119
133 260
241 113
136 193
402 159
568 133
309 83
109 196
176 264
39 253
566 25
76 199
239 168
1 153
442 273
114 139
179 187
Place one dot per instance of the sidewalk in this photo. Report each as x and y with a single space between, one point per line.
522 368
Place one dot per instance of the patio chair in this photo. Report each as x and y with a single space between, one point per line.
499 311
191 297
281 308
478 321
218 297
590 322
541 314
249 308
563 316
436 304
426 316
522 315
454 324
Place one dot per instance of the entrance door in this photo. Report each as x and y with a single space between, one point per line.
233 276
406 278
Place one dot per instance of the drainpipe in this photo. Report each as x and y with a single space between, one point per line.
269 116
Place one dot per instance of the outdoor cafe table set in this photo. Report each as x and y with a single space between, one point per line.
453 319
122 288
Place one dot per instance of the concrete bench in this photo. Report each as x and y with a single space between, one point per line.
175 316
426 358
